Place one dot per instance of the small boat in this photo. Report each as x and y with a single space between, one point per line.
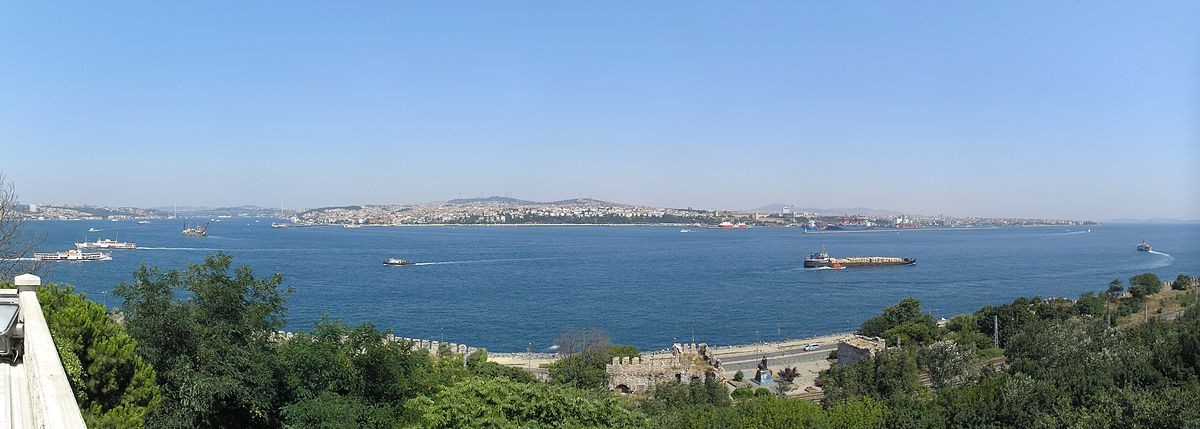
837 266
93 230
143 222
351 225
685 231
280 225
1145 247
395 262
73 255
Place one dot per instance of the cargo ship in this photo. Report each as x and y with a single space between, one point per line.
1145 247
198 231
822 259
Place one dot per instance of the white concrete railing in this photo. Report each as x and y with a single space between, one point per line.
51 400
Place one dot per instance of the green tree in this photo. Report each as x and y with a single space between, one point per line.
503 403
946 362
890 372
905 312
1089 304
114 386
1012 317
1143 285
1182 282
212 351
583 370
589 351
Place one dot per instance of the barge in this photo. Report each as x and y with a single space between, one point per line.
822 259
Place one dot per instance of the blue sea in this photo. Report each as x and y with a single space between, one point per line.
506 288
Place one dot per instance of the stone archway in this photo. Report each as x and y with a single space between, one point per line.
622 389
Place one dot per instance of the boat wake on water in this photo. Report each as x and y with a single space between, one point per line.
1163 262
479 261
178 248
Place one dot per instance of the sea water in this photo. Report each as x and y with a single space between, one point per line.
509 288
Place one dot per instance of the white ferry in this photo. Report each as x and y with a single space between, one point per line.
73 255
105 243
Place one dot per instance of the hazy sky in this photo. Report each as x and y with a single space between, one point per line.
1081 109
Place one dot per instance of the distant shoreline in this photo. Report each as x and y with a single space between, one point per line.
407 225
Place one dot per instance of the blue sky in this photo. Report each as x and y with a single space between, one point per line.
1058 109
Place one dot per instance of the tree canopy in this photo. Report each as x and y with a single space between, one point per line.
114 386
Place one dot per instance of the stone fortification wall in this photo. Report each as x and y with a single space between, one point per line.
640 374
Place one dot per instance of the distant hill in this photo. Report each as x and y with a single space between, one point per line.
778 207
520 202
582 201
492 199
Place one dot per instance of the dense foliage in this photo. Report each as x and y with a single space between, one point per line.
220 364
212 350
114 386
1061 367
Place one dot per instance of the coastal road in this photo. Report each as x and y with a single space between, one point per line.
775 359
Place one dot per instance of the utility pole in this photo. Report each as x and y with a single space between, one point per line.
996 329
1146 317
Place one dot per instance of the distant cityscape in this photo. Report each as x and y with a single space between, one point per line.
511 211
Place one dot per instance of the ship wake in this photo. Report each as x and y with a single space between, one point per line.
1165 261
480 261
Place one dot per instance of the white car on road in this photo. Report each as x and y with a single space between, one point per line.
811 347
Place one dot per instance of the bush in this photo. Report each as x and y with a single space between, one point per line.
739 376
1183 282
